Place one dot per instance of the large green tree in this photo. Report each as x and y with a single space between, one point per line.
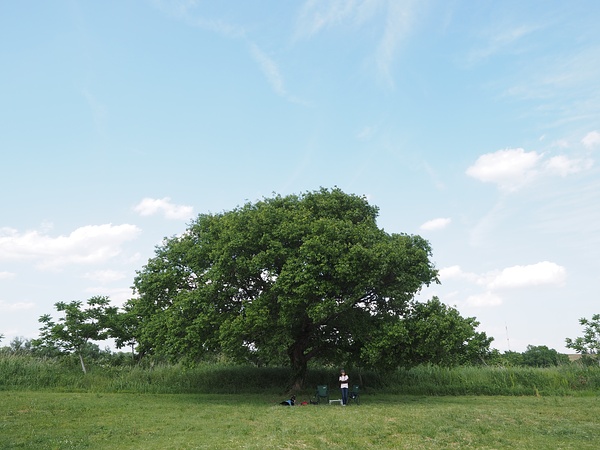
295 277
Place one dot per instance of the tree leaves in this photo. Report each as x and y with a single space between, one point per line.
303 276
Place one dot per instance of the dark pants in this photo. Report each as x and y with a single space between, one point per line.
344 396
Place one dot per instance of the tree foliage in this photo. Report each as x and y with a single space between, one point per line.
78 326
588 345
430 332
542 356
295 277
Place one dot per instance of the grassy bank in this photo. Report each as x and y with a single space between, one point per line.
46 420
27 373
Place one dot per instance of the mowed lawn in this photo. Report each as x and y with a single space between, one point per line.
45 420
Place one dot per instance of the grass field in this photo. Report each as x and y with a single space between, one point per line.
50 420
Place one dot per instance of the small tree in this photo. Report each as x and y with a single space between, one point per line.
588 345
122 329
73 332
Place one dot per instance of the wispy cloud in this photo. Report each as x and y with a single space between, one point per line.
188 12
484 300
398 25
318 15
395 20
191 13
269 69
591 140
7 275
104 276
86 245
153 206
366 133
16 306
503 38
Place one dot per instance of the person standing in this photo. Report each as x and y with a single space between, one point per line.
344 386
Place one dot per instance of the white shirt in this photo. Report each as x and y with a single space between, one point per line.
344 381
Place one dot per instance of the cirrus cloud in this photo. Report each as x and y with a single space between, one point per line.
392 23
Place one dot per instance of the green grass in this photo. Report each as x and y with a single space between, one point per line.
50 404
50 420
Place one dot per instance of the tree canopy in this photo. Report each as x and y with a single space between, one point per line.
295 277
588 345
431 333
79 325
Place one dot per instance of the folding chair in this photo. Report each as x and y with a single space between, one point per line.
322 392
354 395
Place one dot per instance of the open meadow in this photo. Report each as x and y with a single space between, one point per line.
51 420
48 404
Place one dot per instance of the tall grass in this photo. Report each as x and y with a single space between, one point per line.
29 373
435 380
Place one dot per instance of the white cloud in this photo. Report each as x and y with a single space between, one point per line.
151 206
436 224
542 273
487 299
86 245
516 277
104 276
455 272
563 166
512 169
509 169
6 275
18 306
591 140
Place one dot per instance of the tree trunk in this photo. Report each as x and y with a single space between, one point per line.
299 367
82 364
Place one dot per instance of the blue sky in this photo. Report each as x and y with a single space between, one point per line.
475 124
